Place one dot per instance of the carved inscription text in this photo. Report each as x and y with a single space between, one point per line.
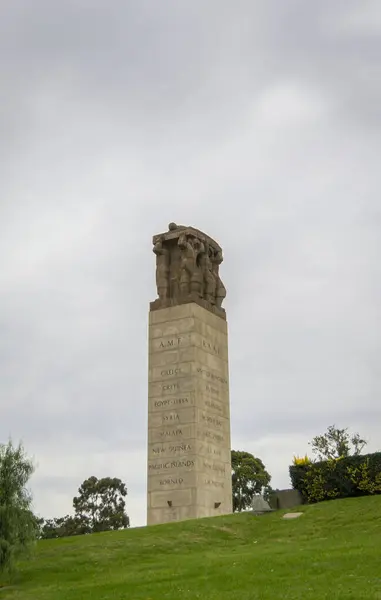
171 433
219 484
174 464
174 449
171 402
170 372
170 481
170 343
211 375
210 346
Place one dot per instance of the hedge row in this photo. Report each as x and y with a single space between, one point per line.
338 478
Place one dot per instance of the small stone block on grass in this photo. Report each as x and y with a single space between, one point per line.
259 505
293 515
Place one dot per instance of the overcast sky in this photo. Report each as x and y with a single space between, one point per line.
257 121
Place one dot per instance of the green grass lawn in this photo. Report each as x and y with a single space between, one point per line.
332 551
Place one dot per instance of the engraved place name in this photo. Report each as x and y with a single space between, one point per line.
173 343
210 346
213 405
214 467
210 450
212 436
214 451
176 448
170 372
171 402
213 421
211 390
171 418
211 375
170 387
171 432
174 464
219 484
170 481
180 448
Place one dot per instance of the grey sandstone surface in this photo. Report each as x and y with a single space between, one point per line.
189 451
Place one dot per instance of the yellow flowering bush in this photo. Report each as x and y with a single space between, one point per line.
301 460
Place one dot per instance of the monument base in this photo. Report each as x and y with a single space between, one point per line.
189 452
159 304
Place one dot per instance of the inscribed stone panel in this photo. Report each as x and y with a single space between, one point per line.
171 449
177 416
170 357
170 433
171 402
172 329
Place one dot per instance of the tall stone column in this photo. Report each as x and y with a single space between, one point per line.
189 460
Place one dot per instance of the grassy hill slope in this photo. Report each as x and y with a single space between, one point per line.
332 551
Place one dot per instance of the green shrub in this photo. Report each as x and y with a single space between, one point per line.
338 478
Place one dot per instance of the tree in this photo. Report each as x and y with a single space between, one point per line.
249 477
61 527
337 443
100 505
18 525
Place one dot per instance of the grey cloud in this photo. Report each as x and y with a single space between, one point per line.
157 62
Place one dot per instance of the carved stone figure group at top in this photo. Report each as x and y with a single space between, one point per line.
187 266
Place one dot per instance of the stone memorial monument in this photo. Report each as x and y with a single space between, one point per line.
189 454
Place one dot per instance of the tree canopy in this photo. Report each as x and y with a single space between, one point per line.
18 525
99 506
337 443
249 478
100 503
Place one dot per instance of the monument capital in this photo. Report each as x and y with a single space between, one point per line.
187 269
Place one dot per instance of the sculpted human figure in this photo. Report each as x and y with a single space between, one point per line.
190 272
209 278
173 226
220 288
162 269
